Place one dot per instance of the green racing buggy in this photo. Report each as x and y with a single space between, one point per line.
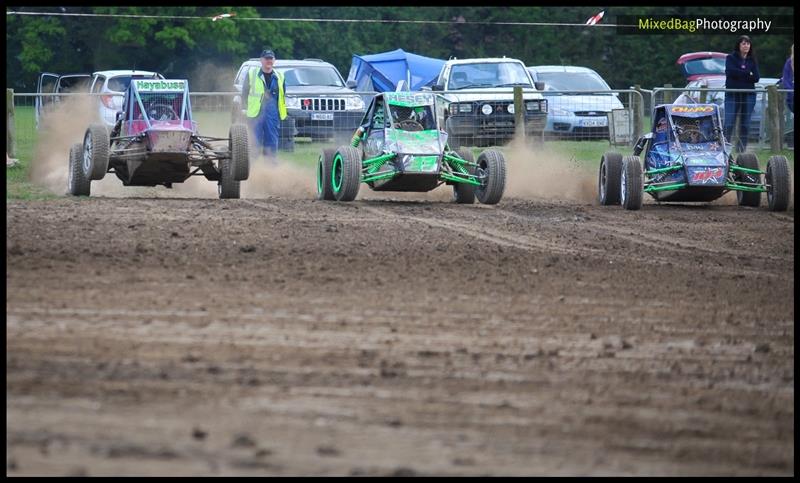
400 146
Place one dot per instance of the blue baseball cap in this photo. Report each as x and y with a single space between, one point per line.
267 54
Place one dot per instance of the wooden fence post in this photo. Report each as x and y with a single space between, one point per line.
773 117
11 145
519 113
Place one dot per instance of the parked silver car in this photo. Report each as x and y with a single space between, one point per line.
578 115
112 83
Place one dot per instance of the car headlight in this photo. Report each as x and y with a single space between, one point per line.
292 102
510 108
557 111
532 106
466 107
354 103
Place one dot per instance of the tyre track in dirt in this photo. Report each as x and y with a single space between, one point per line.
284 337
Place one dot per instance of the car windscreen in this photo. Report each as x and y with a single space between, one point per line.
693 130
311 76
120 83
489 74
572 81
415 142
715 65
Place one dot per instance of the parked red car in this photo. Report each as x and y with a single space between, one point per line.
699 65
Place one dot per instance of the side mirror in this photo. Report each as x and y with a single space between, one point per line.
437 87
425 88
350 84
539 85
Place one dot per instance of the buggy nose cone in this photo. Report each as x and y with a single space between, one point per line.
169 141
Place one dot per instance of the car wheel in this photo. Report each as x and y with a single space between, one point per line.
346 173
608 182
464 193
228 187
747 198
239 152
491 172
630 189
778 186
77 183
95 152
324 187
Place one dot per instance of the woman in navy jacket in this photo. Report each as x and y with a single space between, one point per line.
741 72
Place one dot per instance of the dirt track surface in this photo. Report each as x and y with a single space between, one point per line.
294 337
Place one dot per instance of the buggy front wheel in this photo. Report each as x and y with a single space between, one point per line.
239 152
95 152
778 187
608 182
630 186
748 198
324 188
464 193
346 173
228 187
491 172
77 184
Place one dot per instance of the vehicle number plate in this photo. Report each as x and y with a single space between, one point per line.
593 122
322 116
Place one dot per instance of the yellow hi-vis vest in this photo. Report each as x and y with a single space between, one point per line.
257 93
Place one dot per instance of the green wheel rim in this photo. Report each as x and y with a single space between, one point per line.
319 175
336 173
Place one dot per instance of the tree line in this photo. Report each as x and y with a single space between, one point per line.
194 48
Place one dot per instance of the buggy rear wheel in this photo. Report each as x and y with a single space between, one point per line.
630 186
608 183
346 173
228 187
77 184
239 152
324 187
95 152
491 172
464 193
747 198
778 187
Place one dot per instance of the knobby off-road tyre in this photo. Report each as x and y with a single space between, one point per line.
228 187
492 165
630 189
77 183
747 198
608 181
346 173
324 187
239 151
95 152
778 183
464 193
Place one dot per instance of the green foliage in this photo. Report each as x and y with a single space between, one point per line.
176 46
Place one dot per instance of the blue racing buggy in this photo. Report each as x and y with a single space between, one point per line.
401 146
687 158
155 142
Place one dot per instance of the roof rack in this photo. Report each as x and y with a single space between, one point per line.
317 60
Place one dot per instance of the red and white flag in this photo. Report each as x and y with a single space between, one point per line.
595 19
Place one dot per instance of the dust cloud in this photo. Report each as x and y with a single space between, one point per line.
542 172
59 129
